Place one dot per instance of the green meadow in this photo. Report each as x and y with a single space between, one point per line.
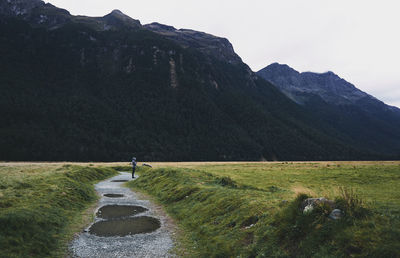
252 209
234 209
43 205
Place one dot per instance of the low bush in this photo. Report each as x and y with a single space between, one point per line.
226 181
351 204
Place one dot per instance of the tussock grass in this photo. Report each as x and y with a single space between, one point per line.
215 213
295 233
40 202
252 209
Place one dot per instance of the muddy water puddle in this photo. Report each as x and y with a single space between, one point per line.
119 211
114 195
125 227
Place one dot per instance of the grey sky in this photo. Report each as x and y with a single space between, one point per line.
357 39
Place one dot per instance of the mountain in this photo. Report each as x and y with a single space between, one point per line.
358 118
107 88
208 44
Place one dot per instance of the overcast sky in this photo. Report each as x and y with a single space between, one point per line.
357 39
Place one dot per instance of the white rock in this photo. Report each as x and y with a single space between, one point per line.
308 208
336 214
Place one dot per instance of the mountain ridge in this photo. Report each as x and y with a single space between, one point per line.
328 96
323 84
209 44
87 88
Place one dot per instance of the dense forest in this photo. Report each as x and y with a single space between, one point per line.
76 92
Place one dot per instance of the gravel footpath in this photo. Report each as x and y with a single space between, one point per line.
154 244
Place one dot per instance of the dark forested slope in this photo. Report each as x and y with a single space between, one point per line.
80 88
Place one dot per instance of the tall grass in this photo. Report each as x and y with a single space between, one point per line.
38 205
223 217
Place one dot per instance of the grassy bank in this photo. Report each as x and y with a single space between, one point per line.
39 204
253 209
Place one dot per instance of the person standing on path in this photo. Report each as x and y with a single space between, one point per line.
133 167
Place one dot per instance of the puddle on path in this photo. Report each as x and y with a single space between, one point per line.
125 227
112 195
118 181
119 211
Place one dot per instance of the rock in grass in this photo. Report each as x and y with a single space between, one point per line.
336 214
308 208
309 203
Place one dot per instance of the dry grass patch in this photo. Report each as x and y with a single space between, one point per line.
299 189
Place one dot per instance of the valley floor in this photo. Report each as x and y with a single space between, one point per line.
252 208
223 208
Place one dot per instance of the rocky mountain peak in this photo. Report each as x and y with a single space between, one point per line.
211 45
117 18
36 12
330 73
155 26
117 12
300 87
18 7
282 69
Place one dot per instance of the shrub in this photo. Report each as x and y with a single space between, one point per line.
314 233
351 204
226 181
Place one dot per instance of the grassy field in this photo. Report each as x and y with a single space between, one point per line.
252 209
224 209
42 206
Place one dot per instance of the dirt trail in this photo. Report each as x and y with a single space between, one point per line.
157 243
